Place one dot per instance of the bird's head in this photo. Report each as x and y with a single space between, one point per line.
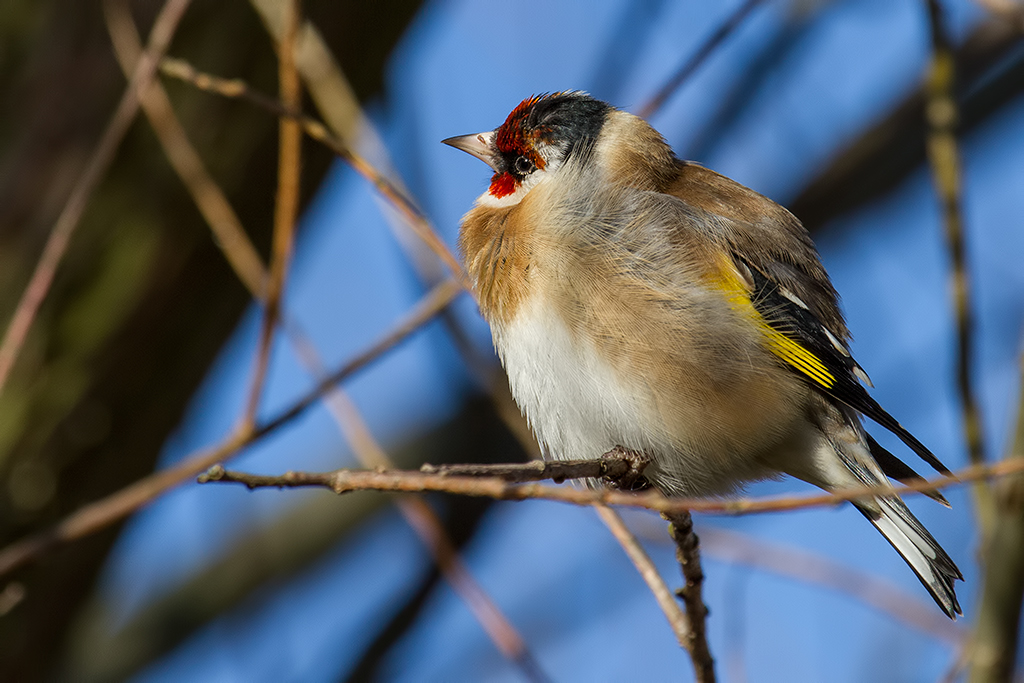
540 136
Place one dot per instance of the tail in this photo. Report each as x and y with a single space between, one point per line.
918 548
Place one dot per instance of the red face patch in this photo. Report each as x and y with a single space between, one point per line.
512 139
503 184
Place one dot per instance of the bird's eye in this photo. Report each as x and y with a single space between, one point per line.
523 166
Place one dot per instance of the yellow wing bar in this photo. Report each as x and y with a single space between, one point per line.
790 351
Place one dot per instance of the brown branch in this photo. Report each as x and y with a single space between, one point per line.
238 89
941 115
342 113
798 564
426 523
207 195
415 481
428 527
688 556
60 236
608 466
693 63
118 505
994 642
642 561
1008 10
991 75
286 208
493 621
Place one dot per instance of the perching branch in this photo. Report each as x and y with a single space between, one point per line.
102 513
611 467
688 556
249 267
415 481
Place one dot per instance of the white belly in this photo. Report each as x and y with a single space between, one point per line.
575 404
579 408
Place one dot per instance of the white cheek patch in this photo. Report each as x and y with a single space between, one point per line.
529 182
489 200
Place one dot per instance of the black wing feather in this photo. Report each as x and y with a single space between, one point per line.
799 324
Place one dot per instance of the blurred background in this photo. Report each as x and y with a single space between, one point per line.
143 349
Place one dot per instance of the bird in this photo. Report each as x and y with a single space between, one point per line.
645 304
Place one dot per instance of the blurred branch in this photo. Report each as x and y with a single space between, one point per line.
416 512
995 641
421 517
286 206
235 88
991 73
211 201
347 480
993 648
1007 10
941 115
502 633
801 565
428 526
60 236
693 63
692 594
666 600
115 507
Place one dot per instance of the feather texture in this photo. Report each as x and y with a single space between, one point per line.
645 302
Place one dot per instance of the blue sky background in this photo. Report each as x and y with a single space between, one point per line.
554 569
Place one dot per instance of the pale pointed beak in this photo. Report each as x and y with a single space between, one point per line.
477 144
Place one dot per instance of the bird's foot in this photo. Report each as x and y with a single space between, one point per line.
630 479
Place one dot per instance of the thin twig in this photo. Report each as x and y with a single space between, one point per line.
286 208
60 236
608 466
424 521
1008 10
102 513
414 217
642 561
941 115
252 273
692 593
118 505
209 199
801 565
415 481
994 643
418 514
690 65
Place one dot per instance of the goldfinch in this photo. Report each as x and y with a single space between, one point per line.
646 303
